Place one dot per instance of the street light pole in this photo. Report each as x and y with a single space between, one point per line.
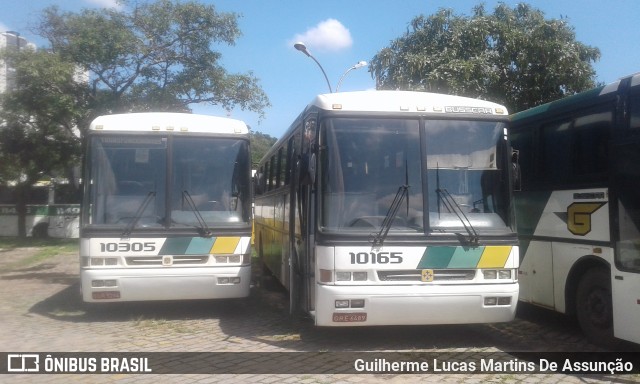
303 48
360 64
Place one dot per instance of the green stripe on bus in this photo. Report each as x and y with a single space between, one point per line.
175 246
436 257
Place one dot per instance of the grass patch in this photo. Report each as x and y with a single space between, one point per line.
46 249
9 243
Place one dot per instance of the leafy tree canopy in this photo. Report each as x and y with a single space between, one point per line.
155 56
260 145
513 56
37 119
39 116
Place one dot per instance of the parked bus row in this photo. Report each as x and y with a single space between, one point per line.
378 208
578 207
166 213
52 210
387 207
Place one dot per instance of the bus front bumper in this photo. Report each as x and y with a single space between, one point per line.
415 305
109 285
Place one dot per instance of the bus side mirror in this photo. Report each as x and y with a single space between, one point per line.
307 168
515 164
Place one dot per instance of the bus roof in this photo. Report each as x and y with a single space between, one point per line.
582 99
407 102
168 122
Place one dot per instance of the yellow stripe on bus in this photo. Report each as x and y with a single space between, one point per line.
225 245
494 257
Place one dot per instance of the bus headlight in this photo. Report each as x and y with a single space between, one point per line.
101 261
104 283
357 303
351 276
353 303
360 276
326 276
504 274
493 274
230 259
232 280
490 274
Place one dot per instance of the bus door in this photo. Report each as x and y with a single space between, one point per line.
302 260
625 278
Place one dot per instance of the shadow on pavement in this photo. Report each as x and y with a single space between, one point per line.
263 317
40 272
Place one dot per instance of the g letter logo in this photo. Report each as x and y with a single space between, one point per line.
579 217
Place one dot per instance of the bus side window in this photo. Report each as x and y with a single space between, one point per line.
634 114
590 142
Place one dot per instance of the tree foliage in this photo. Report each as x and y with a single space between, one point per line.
156 56
260 145
513 56
38 117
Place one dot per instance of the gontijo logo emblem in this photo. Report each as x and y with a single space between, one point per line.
579 217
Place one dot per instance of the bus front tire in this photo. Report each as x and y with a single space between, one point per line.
41 230
594 308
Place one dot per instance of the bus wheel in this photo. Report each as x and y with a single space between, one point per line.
264 276
41 230
594 308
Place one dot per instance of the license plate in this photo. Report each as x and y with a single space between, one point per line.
349 317
105 295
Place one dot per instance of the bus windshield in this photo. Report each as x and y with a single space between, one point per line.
168 182
466 175
366 163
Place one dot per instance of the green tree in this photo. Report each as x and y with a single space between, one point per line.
154 56
37 122
513 56
260 145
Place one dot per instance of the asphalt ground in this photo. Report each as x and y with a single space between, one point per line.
41 312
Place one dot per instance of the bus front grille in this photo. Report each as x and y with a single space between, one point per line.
438 275
176 260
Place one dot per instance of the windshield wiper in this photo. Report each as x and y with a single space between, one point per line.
132 224
203 229
452 205
403 192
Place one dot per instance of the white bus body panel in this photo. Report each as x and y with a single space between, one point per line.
547 264
626 305
167 284
536 275
410 305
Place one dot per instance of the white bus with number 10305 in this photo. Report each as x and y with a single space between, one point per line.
166 213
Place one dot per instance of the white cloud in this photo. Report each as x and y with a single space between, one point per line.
4 27
116 4
329 35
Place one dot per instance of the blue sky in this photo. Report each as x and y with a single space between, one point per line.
340 33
